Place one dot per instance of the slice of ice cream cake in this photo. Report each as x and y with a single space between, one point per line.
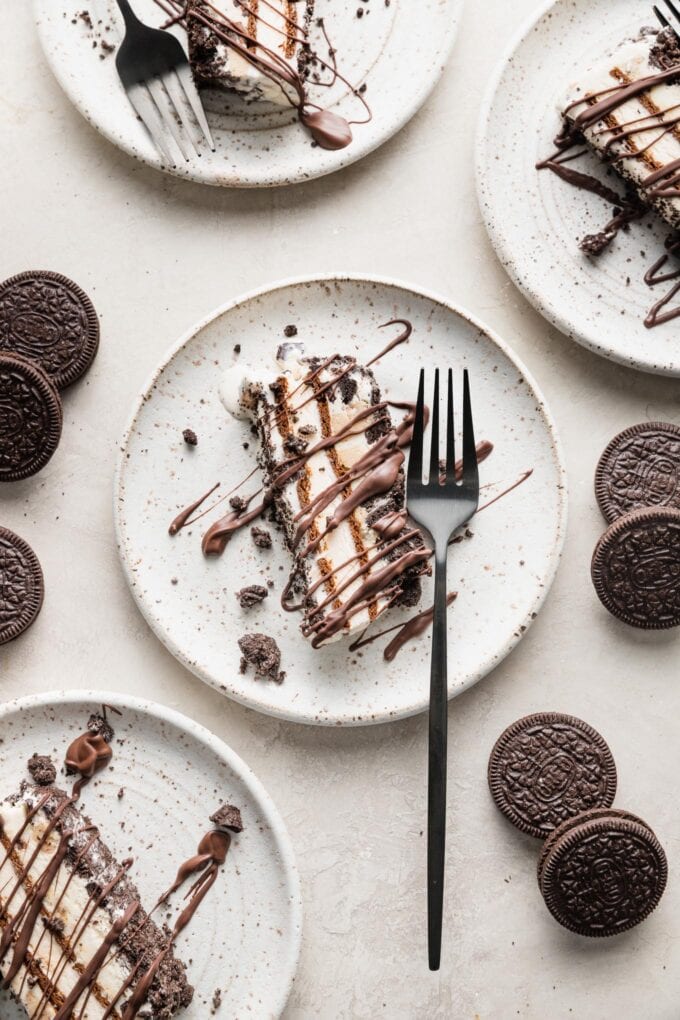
74 937
332 457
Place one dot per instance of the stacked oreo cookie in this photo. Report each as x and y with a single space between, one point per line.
601 870
49 336
636 563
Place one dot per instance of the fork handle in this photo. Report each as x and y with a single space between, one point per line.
436 794
127 12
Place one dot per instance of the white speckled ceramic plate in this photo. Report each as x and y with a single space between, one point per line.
398 50
174 774
535 220
502 574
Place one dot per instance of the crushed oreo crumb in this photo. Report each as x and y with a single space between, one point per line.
295 445
98 724
262 652
238 503
290 331
595 244
251 596
190 437
42 769
261 537
54 924
228 816
665 53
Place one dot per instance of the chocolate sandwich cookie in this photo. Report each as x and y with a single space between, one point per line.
47 318
21 586
636 568
604 875
30 418
640 468
571 823
546 768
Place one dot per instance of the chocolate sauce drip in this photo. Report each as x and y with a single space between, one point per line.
654 276
412 628
659 184
212 853
89 753
218 535
184 517
329 130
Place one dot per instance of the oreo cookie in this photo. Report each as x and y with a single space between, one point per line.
21 586
30 418
546 768
636 568
640 468
48 319
571 823
604 875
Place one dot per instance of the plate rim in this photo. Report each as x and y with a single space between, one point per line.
563 499
224 752
498 243
352 154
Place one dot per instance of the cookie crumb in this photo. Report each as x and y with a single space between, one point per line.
263 653
261 537
251 596
42 769
227 817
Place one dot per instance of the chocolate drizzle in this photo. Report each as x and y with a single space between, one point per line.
212 853
328 129
89 753
621 146
418 624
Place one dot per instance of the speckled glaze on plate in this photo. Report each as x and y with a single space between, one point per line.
246 941
535 220
399 50
502 574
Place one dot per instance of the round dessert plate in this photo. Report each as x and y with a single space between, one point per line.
502 574
173 774
535 219
398 50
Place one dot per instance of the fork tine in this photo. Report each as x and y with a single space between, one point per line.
191 92
147 111
415 460
470 468
165 107
662 17
174 89
434 449
450 435
674 11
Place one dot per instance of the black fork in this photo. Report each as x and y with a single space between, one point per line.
440 506
156 76
663 20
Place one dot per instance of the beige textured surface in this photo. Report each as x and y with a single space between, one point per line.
156 255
